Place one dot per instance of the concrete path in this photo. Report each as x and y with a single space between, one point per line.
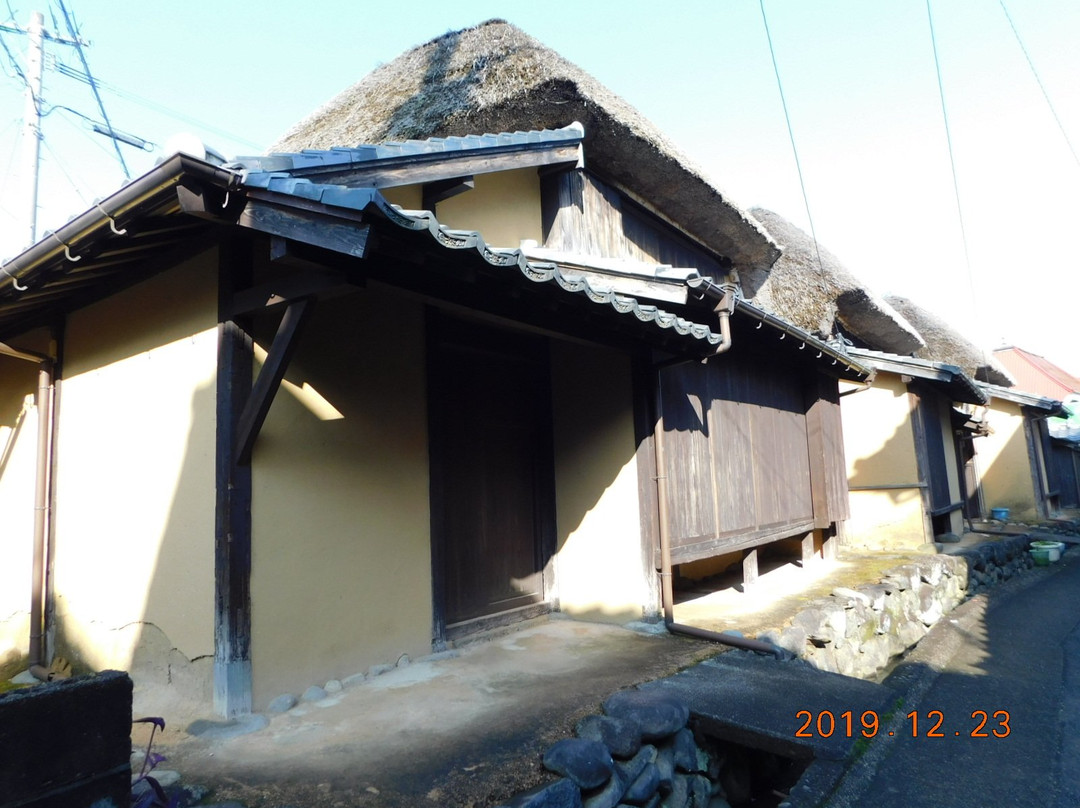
1013 654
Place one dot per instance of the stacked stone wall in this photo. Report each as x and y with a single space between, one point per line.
858 631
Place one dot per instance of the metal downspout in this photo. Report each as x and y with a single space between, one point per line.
724 308
43 464
37 650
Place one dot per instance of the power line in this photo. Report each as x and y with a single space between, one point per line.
97 96
72 73
794 150
1035 73
952 166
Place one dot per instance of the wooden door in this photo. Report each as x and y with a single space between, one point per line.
492 477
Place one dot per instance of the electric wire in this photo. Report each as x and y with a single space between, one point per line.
1038 80
794 150
147 103
952 166
101 104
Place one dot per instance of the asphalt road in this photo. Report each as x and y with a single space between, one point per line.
990 710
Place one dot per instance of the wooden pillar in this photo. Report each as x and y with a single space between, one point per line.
809 553
750 568
232 524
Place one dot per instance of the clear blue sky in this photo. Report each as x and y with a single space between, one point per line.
858 76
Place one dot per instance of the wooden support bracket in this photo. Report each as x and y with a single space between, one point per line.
269 380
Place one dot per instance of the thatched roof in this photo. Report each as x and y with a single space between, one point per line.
945 344
496 78
813 297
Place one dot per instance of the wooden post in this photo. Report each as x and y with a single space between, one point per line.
808 553
750 568
232 524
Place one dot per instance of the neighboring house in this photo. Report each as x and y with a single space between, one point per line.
1037 375
1012 457
474 422
908 450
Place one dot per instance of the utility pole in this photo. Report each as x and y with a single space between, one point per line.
35 57
35 60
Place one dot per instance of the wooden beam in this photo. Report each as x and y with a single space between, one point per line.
284 290
417 169
441 190
232 522
321 229
273 371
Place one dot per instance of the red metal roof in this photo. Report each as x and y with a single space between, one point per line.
1037 375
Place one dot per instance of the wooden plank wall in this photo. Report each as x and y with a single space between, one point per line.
930 409
738 456
1061 458
582 214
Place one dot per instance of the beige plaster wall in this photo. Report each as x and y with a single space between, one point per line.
341 565
18 438
599 570
135 479
886 520
504 207
1004 464
879 445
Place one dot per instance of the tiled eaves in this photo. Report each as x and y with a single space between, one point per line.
370 200
951 375
346 157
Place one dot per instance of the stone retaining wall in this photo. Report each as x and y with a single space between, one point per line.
643 752
857 631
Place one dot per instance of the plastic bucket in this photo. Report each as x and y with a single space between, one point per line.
1052 549
1001 514
1041 556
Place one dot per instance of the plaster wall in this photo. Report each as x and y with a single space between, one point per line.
879 443
886 520
599 570
504 207
1004 464
135 479
18 438
341 564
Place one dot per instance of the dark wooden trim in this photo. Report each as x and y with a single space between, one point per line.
441 190
319 229
262 395
436 491
738 540
425 168
922 460
456 631
232 522
643 381
817 449
284 290
888 487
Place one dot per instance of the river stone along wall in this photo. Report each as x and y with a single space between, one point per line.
857 631
643 751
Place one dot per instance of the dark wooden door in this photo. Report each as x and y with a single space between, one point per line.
491 469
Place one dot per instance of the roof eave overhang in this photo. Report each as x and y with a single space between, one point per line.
1046 406
839 362
948 379
108 217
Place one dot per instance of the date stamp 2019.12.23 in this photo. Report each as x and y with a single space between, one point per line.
931 724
